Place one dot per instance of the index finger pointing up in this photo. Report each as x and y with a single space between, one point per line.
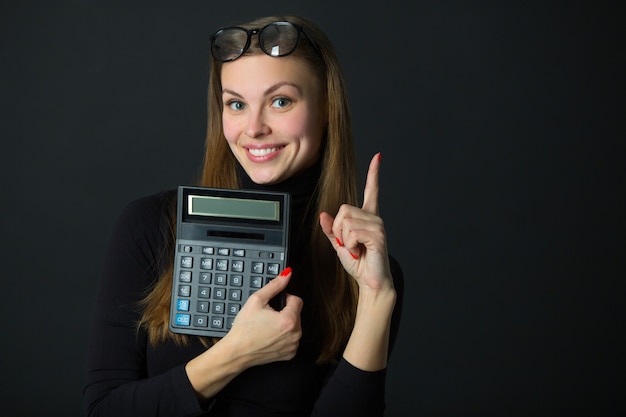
370 195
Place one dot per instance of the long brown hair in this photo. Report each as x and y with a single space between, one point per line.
334 292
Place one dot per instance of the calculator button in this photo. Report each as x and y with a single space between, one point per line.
186 262
202 307
256 282
220 279
207 250
200 321
182 305
234 295
229 322
187 248
236 280
223 251
204 292
184 290
183 320
218 308
257 267
273 269
185 276
206 263
236 266
221 265
219 293
217 322
205 278
233 309
239 252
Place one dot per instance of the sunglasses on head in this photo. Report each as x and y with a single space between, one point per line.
276 39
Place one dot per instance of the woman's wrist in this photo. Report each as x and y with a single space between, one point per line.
385 295
367 348
376 303
211 371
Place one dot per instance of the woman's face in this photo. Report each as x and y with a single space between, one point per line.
272 115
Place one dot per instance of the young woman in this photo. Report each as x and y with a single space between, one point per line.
278 120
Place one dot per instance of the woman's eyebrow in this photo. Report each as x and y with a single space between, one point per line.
231 92
269 91
280 84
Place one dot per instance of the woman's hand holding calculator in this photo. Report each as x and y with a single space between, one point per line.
259 335
264 335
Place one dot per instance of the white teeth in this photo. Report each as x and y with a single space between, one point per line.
262 152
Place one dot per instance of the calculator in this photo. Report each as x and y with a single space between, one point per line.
229 243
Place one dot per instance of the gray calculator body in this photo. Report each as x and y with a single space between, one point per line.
229 243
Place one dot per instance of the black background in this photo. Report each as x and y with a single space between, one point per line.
500 125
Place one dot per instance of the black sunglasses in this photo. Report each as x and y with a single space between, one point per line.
276 39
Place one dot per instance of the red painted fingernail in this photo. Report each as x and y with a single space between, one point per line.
380 156
338 241
354 256
286 272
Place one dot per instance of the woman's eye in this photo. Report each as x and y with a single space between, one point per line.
281 102
235 105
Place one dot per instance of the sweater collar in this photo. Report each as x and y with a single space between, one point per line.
301 186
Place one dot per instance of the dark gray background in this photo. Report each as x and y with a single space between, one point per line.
500 124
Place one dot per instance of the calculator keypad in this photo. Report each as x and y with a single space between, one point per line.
213 283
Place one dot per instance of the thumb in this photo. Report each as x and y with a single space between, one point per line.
326 222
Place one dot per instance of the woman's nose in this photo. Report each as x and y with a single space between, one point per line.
257 126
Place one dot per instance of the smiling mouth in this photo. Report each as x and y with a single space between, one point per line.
264 151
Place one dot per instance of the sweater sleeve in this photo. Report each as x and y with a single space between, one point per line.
351 391
117 382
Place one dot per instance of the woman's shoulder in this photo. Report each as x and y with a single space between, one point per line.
152 203
148 209
147 218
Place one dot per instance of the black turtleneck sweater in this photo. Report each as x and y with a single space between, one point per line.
126 376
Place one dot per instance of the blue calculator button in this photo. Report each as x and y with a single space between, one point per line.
183 320
182 305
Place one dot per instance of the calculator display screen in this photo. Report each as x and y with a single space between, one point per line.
241 208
